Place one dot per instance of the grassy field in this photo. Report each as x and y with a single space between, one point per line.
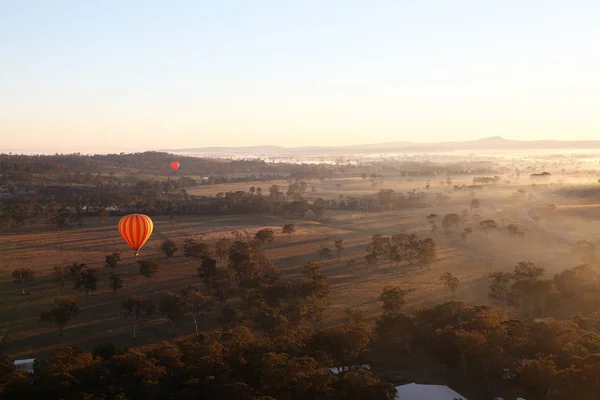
101 319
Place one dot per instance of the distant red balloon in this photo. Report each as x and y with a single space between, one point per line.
175 165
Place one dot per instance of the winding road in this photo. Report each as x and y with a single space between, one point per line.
563 235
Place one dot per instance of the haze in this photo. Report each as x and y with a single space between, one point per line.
82 76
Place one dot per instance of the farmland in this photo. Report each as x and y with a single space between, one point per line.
354 284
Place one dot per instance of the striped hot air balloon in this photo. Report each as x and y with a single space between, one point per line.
136 230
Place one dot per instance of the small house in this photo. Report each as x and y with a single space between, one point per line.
25 365
414 391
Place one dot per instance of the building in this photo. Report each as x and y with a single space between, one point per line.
338 370
414 391
25 365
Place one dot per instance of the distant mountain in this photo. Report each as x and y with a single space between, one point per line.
490 143
224 149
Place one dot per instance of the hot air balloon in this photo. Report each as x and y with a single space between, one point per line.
136 230
175 165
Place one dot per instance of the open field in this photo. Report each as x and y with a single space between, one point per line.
355 286
354 186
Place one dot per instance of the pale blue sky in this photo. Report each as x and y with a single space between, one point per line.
107 75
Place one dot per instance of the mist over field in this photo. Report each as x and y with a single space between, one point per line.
406 267
310 200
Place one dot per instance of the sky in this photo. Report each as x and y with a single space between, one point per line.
97 76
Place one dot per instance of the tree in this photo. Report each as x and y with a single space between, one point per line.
350 339
538 375
102 214
86 280
75 270
222 249
379 246
289 229
196 304
207 270
527 270
4 340
173 308
362 385
339 246
576 281
431 218
222 283
265 236
371 259
528 289
387 196
196 250
487 225
112 260
498 290
63 311
425 250
451 220
513 230
148 268
116 282
60 276
394 299
325 252
22 277
318 207
169 247
138 308
465 234
475 204
450 281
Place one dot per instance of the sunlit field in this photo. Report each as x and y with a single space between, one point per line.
354 284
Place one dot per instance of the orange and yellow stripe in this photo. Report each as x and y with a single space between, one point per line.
136 230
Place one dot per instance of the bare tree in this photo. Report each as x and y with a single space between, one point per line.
148 268
173 308
116 282
138 308
61 274
196 303
450 281
22 277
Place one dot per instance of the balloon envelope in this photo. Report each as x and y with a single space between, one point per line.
175 165
136 230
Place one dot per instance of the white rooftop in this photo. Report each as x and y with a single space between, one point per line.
414 391
27 361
